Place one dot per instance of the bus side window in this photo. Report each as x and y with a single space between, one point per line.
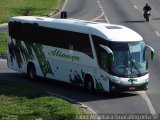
79 42
83 44
71 47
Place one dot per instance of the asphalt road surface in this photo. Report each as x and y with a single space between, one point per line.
124 12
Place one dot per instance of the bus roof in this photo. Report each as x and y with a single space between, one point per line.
110 32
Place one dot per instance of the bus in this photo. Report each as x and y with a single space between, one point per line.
96 56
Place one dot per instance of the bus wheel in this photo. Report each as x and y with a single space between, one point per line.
32 72
89 86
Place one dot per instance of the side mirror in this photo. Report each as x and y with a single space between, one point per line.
110 52
152 52
111 57
152 55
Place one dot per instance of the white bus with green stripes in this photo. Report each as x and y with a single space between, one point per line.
97 56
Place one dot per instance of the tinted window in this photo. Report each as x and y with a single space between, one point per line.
52 37
79 42
102 55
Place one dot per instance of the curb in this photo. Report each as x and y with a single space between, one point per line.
4 25
81 105
53 14
3 56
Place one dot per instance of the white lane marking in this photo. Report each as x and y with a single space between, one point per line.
3 60
102 13
148 101
98 2
98 17
157 33
106 18
135 6
100 6
142 93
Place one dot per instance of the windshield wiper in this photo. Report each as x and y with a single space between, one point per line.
127 65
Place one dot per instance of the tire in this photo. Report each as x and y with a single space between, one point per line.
32 72
89 86
147 19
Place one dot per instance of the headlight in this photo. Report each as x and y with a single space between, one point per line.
146 80
116 81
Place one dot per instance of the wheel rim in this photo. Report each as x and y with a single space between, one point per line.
32 73
89 86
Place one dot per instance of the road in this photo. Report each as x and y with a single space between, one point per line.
123 12
130 13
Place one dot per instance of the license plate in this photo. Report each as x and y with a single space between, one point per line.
132 88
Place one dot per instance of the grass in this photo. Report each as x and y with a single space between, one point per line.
9 8
3 43
24 102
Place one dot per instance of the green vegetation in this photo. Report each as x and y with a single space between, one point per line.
3 43
23 102
9 8
20 101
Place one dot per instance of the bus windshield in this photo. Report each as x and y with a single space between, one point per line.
130 59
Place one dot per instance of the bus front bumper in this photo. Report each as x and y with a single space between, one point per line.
120 87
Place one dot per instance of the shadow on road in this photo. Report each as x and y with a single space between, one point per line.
63 89
12 84
138 21
155 18
134 21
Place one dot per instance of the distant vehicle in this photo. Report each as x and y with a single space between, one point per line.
147 15
98 56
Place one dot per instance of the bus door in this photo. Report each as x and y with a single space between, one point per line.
104 67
